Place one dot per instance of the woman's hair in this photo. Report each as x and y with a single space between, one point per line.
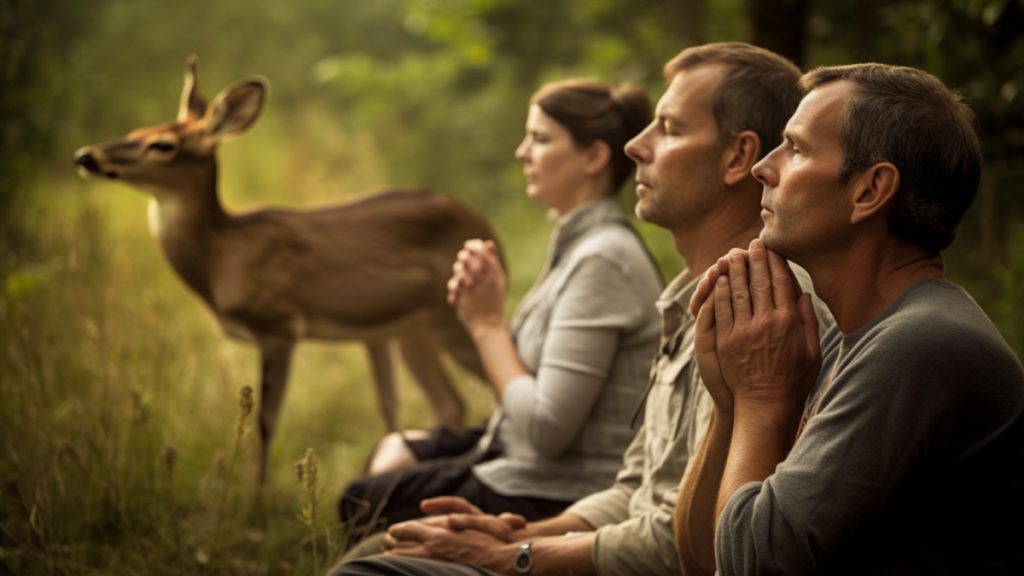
592 110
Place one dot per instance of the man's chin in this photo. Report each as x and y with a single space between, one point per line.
644 212
770 240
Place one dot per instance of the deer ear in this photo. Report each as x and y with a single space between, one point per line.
235 109
193 104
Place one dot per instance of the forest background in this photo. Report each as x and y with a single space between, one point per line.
118 444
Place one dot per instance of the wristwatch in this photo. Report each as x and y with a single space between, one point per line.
524 559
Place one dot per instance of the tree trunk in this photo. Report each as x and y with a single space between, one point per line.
779 25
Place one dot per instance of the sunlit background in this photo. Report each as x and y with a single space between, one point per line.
119 393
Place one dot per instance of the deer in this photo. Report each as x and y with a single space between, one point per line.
373 269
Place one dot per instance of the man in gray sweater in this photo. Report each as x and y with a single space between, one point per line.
903 451
724 108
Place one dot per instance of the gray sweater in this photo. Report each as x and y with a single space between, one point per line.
912 461
586 332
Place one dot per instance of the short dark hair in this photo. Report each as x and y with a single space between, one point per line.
911 119
594 111
759 92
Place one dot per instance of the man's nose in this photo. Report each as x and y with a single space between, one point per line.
637 148
764 171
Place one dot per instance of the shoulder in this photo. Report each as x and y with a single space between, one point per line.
934 333
617 244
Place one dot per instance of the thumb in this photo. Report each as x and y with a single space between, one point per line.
448 505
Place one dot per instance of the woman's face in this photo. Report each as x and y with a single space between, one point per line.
554 167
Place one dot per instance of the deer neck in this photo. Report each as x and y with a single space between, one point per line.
186 223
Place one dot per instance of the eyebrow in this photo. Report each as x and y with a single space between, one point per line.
788 135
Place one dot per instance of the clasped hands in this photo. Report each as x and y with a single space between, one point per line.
478 285
756 336
457 531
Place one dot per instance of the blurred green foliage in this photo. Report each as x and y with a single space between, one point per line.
106 360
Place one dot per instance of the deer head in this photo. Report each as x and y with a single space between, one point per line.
179 155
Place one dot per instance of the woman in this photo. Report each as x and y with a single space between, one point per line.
570 369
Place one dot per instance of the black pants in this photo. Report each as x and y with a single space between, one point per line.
373 503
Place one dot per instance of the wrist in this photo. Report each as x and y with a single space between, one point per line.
767 418
764 407
722 416
485 329
502 559
522 564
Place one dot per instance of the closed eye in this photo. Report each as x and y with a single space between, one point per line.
161 146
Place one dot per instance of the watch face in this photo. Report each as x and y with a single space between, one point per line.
524 560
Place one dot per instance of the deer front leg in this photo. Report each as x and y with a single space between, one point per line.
423 358
276 357
384 381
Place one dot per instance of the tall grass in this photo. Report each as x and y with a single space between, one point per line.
118 416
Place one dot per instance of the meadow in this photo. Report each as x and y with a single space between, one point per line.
125 446
125 449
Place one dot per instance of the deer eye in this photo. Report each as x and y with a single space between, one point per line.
161 146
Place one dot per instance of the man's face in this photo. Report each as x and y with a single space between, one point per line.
804 208
677 156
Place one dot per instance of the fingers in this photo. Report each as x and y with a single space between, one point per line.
705 288
706 321
785 289
408 538
403 547
723 306
449 505
514 521
760 279
471 262
739 286
453 290
490 525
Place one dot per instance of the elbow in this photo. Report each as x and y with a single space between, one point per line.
548 441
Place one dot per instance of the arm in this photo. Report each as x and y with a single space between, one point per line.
696 511
594 306
477 291
758 356
611 506
592 309
459 541
642 544
768 352
512 528
466 538
460 531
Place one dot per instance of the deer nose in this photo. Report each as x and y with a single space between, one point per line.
85 160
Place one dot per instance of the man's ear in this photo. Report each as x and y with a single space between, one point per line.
739 156
874 189
599 155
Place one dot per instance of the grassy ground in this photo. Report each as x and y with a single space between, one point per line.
121 451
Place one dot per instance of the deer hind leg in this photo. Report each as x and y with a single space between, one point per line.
422 357
384 380
276 358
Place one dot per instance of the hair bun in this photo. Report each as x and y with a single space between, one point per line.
634 105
